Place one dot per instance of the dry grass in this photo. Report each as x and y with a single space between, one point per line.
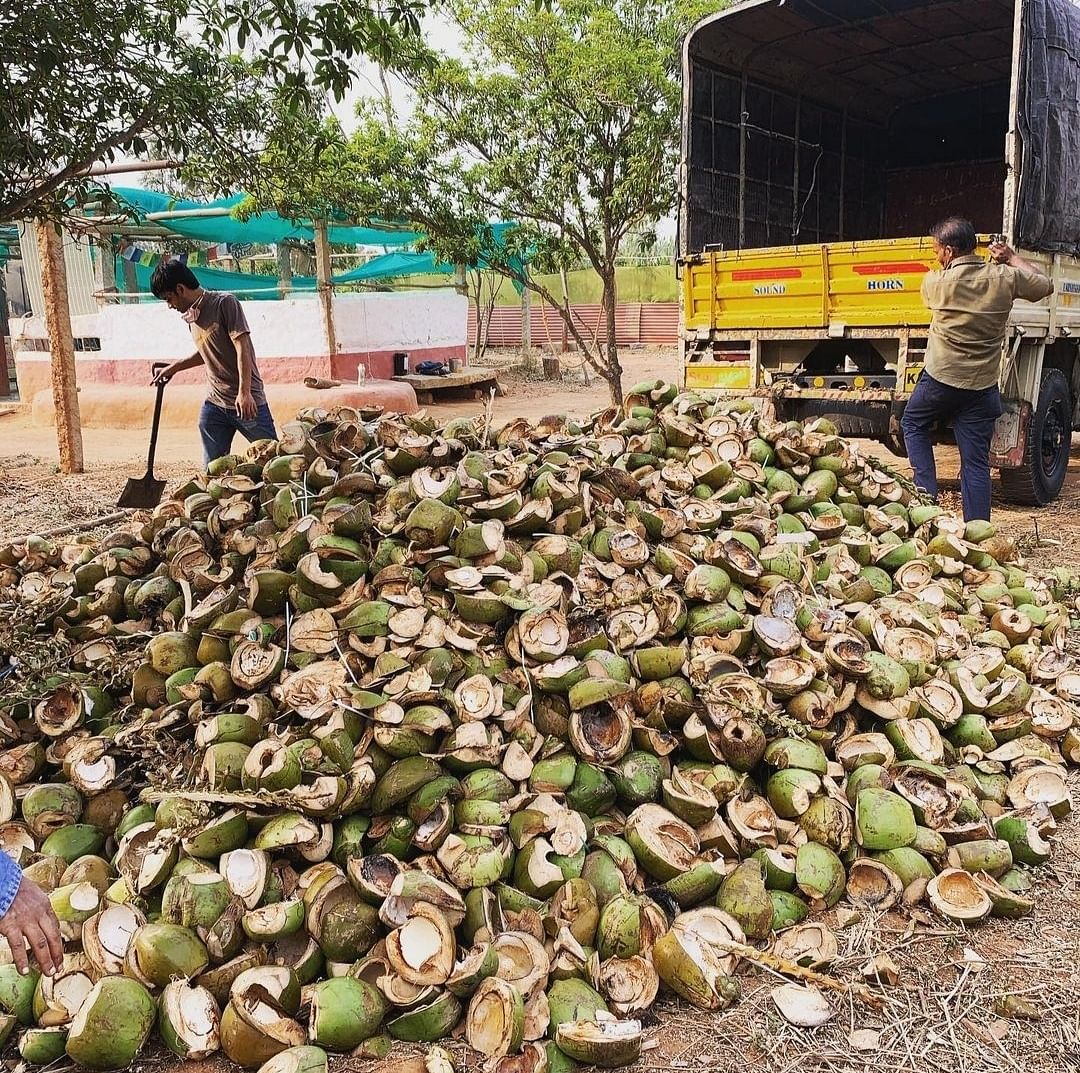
34 497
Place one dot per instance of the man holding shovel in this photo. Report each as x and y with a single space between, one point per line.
236 402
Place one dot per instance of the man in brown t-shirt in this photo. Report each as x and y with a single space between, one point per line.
236 402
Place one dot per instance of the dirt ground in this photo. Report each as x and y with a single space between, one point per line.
953 1006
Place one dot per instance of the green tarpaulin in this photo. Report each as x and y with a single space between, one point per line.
270 229
266 227
255 288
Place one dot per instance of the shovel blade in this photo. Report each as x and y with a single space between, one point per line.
141 492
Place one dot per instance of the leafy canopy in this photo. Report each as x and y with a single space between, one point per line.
83 82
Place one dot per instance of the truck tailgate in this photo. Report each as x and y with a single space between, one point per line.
860 284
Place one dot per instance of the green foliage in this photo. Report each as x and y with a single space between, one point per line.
84 82
564 118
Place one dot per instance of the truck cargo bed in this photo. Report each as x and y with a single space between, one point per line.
866 283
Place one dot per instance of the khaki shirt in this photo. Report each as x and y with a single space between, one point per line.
971 301
220 321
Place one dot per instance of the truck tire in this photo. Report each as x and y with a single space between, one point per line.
855 420
1046 453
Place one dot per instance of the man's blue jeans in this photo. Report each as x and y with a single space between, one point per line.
972 414
218 425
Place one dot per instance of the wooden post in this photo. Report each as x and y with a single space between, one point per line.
325 287
105 272
131 280
61 346
526 327
284 269
5 379
566 304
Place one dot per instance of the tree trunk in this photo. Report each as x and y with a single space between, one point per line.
61 346
611 345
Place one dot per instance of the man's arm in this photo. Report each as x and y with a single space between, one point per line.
27 919
246 407
1031 282
170 371
235 323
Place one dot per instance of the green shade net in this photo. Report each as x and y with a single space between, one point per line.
255 288
9 240
265 227
269 229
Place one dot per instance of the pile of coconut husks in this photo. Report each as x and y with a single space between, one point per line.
389 732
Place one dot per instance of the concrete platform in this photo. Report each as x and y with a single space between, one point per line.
475 383
129 407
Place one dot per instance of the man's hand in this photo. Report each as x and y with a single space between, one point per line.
163 376
1002 254
246 408
30 921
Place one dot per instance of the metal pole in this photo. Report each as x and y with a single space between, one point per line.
61 346
326 290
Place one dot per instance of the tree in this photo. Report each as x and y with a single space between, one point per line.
83 82
564 118
484 287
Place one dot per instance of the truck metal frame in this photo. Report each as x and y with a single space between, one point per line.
836 326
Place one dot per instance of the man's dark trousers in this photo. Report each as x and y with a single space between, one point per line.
217 426
972 414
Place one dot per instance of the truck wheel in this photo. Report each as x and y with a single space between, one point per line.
855 420
1046 453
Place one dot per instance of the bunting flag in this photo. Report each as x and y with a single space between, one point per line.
150 259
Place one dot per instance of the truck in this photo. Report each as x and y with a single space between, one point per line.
821 141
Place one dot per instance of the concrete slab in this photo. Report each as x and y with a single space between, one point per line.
473 382
129 407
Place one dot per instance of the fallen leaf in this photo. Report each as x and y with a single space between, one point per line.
1017 1007
883 969
983 1033
973 960
865 1039
802 1006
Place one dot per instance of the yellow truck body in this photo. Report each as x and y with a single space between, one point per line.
821 141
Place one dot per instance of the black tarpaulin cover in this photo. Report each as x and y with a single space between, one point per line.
1048 205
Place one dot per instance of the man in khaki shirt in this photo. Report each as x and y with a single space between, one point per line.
970 300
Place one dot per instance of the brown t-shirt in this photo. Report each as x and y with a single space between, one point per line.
971 301
220 321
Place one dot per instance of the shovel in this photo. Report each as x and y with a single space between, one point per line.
146 491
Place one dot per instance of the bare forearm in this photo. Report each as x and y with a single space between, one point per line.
1004 254
245 362
185 363
1028 266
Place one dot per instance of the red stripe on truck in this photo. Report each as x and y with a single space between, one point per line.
745 275
888 269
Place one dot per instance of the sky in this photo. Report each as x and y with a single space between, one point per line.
438 33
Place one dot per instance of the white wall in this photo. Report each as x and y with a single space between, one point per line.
283 329
407 320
